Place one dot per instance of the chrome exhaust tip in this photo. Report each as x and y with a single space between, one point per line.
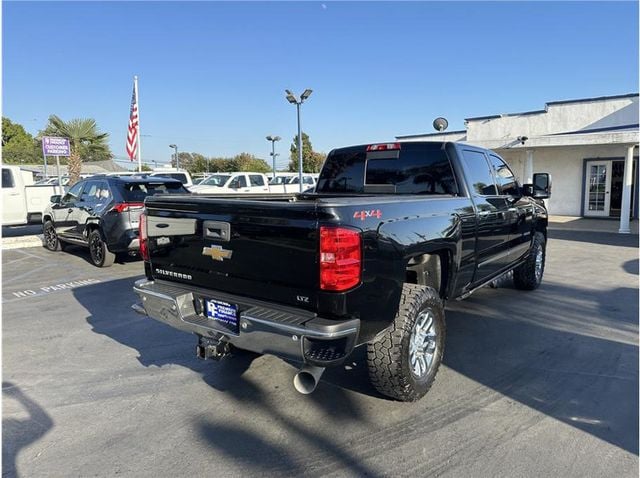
307 378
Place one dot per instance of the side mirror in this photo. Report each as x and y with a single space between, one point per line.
55 199
541 187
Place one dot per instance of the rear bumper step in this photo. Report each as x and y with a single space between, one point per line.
265 328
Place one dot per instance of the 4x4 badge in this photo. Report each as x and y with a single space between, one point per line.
217 253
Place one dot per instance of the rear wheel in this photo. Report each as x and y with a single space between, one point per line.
528 276
100 254
404 361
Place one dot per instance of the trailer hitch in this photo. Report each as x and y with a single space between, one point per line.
212 348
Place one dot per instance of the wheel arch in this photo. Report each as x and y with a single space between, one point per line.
432 269
90 227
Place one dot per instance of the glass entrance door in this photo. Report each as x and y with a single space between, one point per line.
597 198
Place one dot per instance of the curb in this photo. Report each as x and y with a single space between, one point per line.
21 241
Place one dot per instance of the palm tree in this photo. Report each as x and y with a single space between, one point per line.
85 139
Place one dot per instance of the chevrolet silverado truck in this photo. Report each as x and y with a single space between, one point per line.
391 232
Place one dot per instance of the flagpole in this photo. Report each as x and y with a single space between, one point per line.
139 149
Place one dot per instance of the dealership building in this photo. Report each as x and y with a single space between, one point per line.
588 145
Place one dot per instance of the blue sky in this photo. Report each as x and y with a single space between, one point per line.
213 74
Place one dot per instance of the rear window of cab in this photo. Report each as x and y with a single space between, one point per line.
412 169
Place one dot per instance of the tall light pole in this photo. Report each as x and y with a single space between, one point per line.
175 146
291 98
273 140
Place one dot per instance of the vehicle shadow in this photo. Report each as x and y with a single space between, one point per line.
83 252
17 433
158 345
535 348
540 351
252 449
595 237
25 230
631 266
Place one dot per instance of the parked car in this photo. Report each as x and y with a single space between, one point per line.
392 232
22 201
183 176
53 180
102 213
308 180
233 183
290 182
280 178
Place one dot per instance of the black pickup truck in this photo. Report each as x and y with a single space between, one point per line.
391 232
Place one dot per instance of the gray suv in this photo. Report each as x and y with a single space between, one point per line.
102 213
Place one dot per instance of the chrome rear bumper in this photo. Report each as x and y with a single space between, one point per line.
265 328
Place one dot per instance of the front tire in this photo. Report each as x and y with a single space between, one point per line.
100 254
404 361
50 238
528 275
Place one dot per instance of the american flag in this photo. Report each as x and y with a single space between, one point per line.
132 134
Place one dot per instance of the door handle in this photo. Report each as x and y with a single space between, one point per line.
14 194
484 213
70 209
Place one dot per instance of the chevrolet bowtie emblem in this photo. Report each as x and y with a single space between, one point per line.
217 253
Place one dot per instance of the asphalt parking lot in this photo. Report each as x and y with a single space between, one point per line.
541 383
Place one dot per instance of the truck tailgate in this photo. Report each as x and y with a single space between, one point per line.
258 248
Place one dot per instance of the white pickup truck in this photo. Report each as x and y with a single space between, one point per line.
232 183
22 201
290 182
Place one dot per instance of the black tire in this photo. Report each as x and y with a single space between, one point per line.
50 238
528 276
101 256
389 358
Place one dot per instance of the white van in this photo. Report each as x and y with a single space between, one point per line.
233 183
22 201
183 176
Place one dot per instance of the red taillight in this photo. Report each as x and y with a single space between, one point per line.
340 258
125 206
383 147
142 237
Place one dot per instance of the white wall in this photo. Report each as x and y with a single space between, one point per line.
559 118
565 164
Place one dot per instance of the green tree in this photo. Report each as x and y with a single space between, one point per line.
220 165
185 160
311 160
87 142
199 164
146 167
248 162
18 146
